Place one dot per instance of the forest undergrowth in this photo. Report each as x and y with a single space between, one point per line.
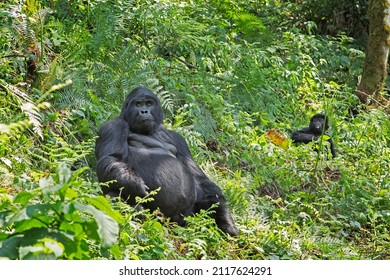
229 74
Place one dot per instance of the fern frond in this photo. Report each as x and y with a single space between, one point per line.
68 98
32 113
13 90
27 106
21 25
62 151
166 98
248 23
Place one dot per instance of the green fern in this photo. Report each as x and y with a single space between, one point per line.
27 106
166 98
60 149
248 24
69 98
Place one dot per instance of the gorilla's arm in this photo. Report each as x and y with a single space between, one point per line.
112 161
332 149
304 135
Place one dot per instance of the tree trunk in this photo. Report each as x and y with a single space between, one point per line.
375 64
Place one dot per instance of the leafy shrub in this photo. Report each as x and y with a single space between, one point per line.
53 220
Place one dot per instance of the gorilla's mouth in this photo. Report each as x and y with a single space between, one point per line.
144 119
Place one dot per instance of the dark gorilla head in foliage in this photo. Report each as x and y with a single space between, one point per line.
142 111
319 123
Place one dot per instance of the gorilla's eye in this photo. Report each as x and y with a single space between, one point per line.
149 103
138 103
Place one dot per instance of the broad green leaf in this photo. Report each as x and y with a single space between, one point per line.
56 247
30 211
101 203
9 247
28 224
64 173
37 235
48 186
158 250
108 228
71 194
116 251
23 197
35 253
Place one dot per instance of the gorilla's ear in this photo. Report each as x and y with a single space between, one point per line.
158 112
125 105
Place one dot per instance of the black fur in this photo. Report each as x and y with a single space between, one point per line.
319 124
141 155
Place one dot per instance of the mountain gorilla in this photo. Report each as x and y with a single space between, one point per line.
137 152
318 125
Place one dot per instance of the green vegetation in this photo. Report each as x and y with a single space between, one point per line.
227 71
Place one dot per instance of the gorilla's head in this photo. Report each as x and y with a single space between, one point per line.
142 111
317 124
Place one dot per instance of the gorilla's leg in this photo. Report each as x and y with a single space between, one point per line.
210 195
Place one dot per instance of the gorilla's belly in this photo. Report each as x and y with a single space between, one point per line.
177 191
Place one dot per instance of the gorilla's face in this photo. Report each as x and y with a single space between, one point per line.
142 111
317 124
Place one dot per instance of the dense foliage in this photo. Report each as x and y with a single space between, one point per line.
227 72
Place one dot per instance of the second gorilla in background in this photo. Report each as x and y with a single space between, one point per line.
318 126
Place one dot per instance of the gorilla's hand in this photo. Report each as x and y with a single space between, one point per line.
140 188
132 181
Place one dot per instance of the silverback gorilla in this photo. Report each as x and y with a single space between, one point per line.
139 155
318 125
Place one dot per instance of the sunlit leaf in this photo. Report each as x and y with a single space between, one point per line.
101 203
23 198
278 138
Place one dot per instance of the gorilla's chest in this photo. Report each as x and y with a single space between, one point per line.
149 146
